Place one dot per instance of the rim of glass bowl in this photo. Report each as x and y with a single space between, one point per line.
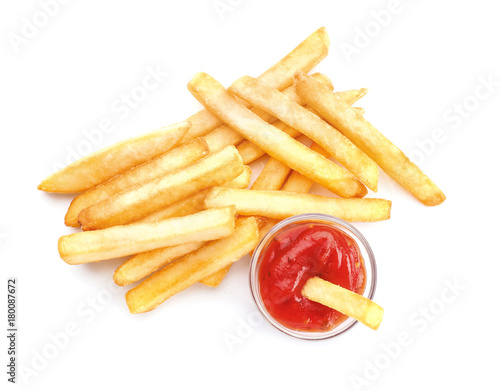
366 253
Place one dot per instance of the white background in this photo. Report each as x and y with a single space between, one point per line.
422 65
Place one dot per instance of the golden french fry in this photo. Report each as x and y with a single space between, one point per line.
174 159
193 267
272 176
340 147
345 301
195 203
282 204
104 164
250 152
115 242
222 137
304 57
143 264
149 197
215 279
192 204
362 133
276 143
299 183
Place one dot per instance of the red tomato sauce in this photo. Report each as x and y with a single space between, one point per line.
298 254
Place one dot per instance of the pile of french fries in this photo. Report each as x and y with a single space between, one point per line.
176 200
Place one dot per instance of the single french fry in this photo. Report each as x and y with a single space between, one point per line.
195 203
282 204
193 267
143 264
250 152
340 147
276 143
345 301
299 183
215 279
174 159
272 176
362 133
104 164
140 201
304 57
221 137
192 204
115 242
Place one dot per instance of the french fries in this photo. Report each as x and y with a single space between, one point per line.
141 265
271 178
224 135
304 57
282 204
193 267
343 300
250 152
276 143
179 157
169 199
102 165
301 119
149 197
115 242
195 203
362 133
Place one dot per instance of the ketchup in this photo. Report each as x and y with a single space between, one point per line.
302 252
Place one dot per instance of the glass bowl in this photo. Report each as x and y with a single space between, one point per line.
295 221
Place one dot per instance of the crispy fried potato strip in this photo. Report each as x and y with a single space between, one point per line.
115 242
343 300
104 164
282 204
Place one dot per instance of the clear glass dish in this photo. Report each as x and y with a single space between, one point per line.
295 221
